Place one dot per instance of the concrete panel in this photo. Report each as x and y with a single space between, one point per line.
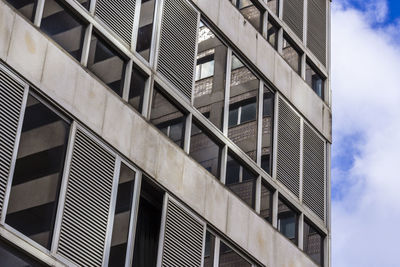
117 126
315 110
237 224
89 101
194 185
327 123
59 76
282 76
7 17
300 93
209 7
27 50
247 41
228 20
216 204
265 59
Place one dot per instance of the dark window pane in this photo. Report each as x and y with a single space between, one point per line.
38 172
243 96
10 256
228 257
63 27
315 81
291 55
136 90
148 225
26 7
84 3
167 117
250 12
233 116
287 221
313 243
106 64
266 203
241 181
204 150
209 250
267 123
209 90
273 6
272 35
145 30
122 215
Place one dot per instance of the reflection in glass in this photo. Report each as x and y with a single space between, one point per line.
287 221
228 257
63 27
204 150
167 117
243 108
11 256
273 6
266 203
272 34
209 90
267 122
315 81
145 30
291 55
26 8
250 12
84 3
122 216
106 63
313 243
136 90
38 172
209 250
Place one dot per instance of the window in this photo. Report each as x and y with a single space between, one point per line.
313 243
148 224
122 216
241 180
228 257
64 28
314 80
38 172
250 12
11 256
136 90
84 3
243 101
205 150
145 30
209 89
209 250
287 221
267 123
272 34
266 202
106 63
273 6
26 8
291 55
168 118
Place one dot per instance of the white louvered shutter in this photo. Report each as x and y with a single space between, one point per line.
314 171
293 13
177 48
183 238
87 202
316 29
288 150
11 102
118 15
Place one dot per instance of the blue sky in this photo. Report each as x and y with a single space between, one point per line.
366 133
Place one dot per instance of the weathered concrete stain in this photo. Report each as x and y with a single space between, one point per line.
30 43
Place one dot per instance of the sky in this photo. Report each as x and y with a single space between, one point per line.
366 133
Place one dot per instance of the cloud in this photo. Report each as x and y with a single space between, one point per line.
366 130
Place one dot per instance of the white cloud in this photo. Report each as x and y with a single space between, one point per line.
366 112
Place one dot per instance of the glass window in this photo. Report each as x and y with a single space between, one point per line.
106 63
228 257
266 202
287 221
313 243
243 106
136 90
209 89
38 172
267 126
205 150
145 31
273 6
291 55
84 3
11 256
241 180
148 224
314 80
122 216
209 250
64 28
26 8
167 117
250 12
272 34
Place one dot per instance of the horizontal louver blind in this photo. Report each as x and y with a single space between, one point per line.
183 240
293 13
87 203
316 29
118 15
314 171
178 44
11 99
288 150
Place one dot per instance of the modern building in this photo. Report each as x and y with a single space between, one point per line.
165 133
